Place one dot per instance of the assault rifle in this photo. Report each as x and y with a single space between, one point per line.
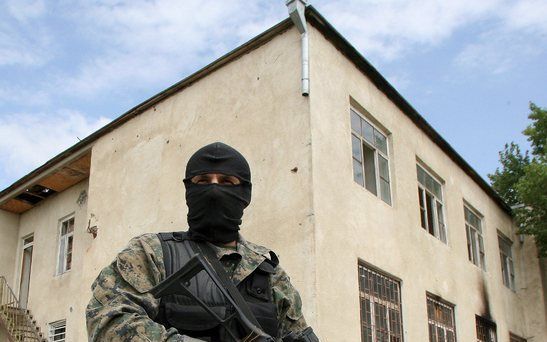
176 284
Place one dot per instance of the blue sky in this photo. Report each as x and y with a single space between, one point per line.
67 68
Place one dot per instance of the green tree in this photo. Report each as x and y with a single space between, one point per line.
522 181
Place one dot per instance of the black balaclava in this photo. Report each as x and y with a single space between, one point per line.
215 210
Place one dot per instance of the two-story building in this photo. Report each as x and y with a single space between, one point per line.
386 231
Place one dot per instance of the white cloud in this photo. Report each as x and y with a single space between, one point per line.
14 95
27 140
520 36
23 40
496 53
150 43
528 15
388 29
400 81
24 10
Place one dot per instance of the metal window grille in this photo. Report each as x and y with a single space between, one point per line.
475 244
370 157
506 258
431 204
66 239
486 330
515 338
380 307
57 331
441 321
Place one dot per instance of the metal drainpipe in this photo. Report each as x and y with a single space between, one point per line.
297 9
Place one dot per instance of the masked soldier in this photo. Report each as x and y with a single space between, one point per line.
218 188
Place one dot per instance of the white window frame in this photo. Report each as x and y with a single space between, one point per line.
440 233
377 155
475 239
506 259
63 246
54 336
384 292
439 325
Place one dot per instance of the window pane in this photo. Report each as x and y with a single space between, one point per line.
370 169
70 225
430 219
469 249
69 254
437 190
64 228
357 172
383 168
62 251
355 122
432 333
380 141
440 220
421 175
440 317
475 256
380 307
423 219
368 132
384 191
481 251
440 334
356 147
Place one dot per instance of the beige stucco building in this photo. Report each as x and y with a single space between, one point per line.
383 227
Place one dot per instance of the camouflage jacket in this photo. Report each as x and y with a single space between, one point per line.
122 310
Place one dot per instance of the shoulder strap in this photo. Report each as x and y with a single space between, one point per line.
175 255
210 256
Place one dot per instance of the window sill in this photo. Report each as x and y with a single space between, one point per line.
58 275
434 237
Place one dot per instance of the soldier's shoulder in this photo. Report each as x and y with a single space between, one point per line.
256 248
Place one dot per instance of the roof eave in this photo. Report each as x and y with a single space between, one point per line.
320 23
87 143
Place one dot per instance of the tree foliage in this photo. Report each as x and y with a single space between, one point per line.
522 179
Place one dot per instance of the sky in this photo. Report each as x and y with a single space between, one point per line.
67 68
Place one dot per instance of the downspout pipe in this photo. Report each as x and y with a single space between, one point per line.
297 10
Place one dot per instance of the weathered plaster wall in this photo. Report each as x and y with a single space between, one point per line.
9 226
3 333
353 224
253 104
54 297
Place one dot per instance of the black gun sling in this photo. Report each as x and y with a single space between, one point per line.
182 312
210 256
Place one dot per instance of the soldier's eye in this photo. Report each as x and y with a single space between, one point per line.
229 180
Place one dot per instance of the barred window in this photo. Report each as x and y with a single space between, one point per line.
475 244
486 330
506 258
57 331
380 306
515 338
430 196
370 157
440 315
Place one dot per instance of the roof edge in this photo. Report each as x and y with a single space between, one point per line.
86 143
331 34
319 22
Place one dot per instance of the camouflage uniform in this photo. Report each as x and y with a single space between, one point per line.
122 310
